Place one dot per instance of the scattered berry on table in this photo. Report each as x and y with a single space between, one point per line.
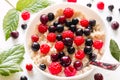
115 25
68 41
34 38
89 4
98 44
72 0
59 28
79 40
68 12
111 7
109 18
61 19
35 46
65 61
68 33
51 16
23 78
25 15
24 26
88 50
14 34
84 23
80 54
100 5
52 29
59 37
59 45
54 57
29 67
98 76
119 10
78 65
42 66
71 50
44 48
42 28
44 19
51 37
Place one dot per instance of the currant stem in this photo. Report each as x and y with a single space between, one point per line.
9 3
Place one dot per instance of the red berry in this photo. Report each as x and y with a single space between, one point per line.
72 0
98 76
51 37
25 15
98 44
34 38
84 23
59 45
80 54
44 18
55 68
79 40
44 48
78 65
68 12
70 71
100 5
68 34
42 28
29 67
61 19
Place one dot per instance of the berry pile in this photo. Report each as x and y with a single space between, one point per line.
71 39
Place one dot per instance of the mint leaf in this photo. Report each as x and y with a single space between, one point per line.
32 5
10 60
10 22
114 49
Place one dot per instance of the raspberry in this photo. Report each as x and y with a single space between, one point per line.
42 28
44 48
84 23
69 71
59 45
98 44
25 15
79 40
51 37
80 54
67 34
55 68
100 5
71 0
29 67
68 12
34 38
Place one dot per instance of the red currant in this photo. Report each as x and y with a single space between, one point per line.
55 68
84 23
61 19
80 54
98 44
44 48
79 40
42 28
59 45
34 38
29 67
71 0
68 12
68 34
100 5
51 37
25 15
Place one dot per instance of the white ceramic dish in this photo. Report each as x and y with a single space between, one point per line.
85 10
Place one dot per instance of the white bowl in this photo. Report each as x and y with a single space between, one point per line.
85 10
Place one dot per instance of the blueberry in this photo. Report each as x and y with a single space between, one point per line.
92 22
75 21
23 78
73 28
119 10
111 7
52 29
115 25
88 50
59 37
24 26
92 57
61 54
68 41
14 34
87 32
88 42
35 46
51 16
68 23
90 28
79 32
65 61
89 4
109 18
42 66
59 28
55 23
71 50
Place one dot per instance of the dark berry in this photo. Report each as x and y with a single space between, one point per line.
73 28
89 4
115 25
87 32
51 16
90 28
111 7
52 29
78 65
92 57
65 61
92 22
29 67
79 32
88 50
54 57
55 23
24 26
59 28
70 50
14 34
25 15
68 12
109 18
35 46
23 78
61 19
88 42
68 23
119 10
61 54
59 37
75 21
42 66
68 41
98 76
44 18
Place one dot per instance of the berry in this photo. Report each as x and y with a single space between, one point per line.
75 21
59 28
65 61
73 28
61 19
25 15
61 54
68 33
35 46
119 10
59 45
88 50
89 5
44 48
80 54
51 16
34 38
90 28
54 57
109 18
23 78
84 23
111 7
79 32
59 37
68 12
42 28
78 65
68 23
115 25
92 57
29 67
68 41
72 0
42 66
92 22
88 42
24 26
55 23
14 34
98 44
55 68
100 5
79 40
51 37
44 19
69 71
52 29
98 76
70 50
86 32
